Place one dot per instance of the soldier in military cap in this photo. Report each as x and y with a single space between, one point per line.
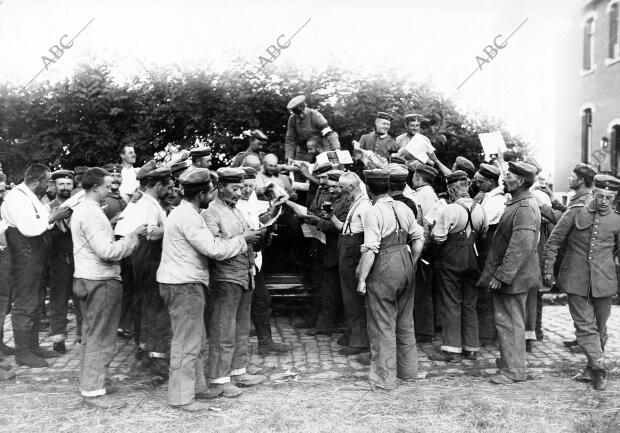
464 164
379 141
425 305
412 123
588 273
334 207
386 277
303 123
512 269
114 202
77 178
256 144
201 157
456 230
230 293
493 203
183 273
154 331
178 168
61 267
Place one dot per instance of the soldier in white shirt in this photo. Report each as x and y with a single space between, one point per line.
129 183
27 236
493 203
97 283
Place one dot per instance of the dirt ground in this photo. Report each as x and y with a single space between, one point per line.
327 403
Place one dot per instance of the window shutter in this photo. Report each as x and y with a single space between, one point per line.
613 30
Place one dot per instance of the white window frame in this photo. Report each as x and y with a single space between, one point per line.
594 16
616 58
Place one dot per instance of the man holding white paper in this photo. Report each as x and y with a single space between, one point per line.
379 141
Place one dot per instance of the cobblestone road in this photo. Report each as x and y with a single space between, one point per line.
318 356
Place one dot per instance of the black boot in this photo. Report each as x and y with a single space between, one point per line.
265 343
59 347
4 349
38 350
23 354
599 379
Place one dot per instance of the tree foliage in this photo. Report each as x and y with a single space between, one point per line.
86 119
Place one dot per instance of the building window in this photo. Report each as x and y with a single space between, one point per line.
586 135
588 44
614 46
614 148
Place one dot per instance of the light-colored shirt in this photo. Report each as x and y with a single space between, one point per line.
354 222
188 244
148 211
129 183
426 198
379 222
23 210
251 209
262 181
494 203
96 254
453 219
409 193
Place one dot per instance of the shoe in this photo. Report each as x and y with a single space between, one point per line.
194 406
104 402
315 331
7 374
272 347
228 390
4 365
441 355
528 345
500 379
247 379
60 347
343 340
160 367
305 324
209 393
363 358
348 351
471 355
585 375
498 363
599 379
6 350
124 333
44 353
31 360
570 343
540 335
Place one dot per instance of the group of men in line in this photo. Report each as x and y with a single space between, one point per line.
171 256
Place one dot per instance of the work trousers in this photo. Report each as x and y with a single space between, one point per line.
484 304
354 303
423 309
459 318
329 298
61 290
5 287
590 319
261 301
28 262
186 307
531 314
100 302
229 329
129 307
389 307
510 322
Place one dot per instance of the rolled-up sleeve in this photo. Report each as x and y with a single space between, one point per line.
443 226
521 244
372 231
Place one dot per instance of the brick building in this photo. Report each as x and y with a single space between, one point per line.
588 106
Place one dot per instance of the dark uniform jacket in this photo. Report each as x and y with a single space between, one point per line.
593 242
512 256
341 208
299 130
381 146
114 204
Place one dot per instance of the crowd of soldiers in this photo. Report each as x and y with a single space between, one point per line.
170 255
